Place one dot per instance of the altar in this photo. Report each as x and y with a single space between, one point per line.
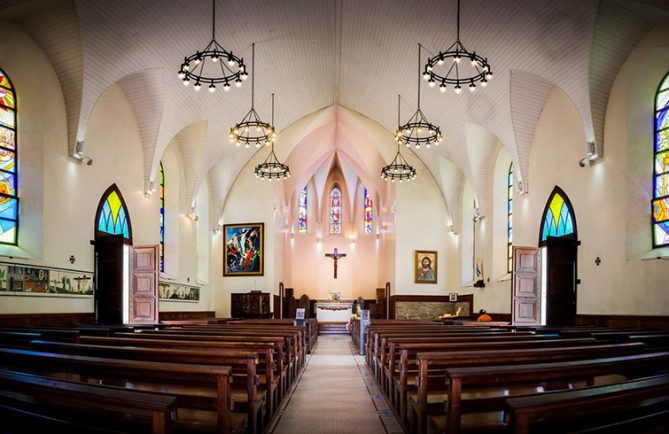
333 311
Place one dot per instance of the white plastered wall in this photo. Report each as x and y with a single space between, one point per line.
59 197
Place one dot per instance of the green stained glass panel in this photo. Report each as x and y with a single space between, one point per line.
7 117
662 141
7 138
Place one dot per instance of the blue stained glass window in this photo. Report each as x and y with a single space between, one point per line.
162 218
335 211
558 216
112 217
302 212
659 203
369 214
9 200
509 218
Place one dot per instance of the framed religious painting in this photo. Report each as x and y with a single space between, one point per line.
244 249
425 266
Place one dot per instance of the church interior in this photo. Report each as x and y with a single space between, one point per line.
395 201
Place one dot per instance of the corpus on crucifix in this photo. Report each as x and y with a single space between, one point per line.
335 256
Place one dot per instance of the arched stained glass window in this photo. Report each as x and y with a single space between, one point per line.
558 219
162 218
335 211
509 218
369 217
9 200
660 203
302 212
112 217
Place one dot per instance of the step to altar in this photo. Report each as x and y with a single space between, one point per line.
333 328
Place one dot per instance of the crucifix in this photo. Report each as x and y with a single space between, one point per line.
335 256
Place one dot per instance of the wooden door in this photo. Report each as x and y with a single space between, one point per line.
526 286
109 279
561 281
143 297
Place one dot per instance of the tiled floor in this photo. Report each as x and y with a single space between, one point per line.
335 394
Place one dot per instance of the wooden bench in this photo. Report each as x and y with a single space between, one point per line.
633 406
403 359
245 395
433 368
30 403
501 378
269 372
199 387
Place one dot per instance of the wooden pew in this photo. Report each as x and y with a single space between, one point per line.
433 367
403 375
631 406
268 371
289 350
172 379
30 403
242 363
502 377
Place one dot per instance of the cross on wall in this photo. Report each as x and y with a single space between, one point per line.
335 256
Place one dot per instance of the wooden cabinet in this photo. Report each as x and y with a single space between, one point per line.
254 304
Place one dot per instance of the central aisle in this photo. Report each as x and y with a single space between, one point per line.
335 395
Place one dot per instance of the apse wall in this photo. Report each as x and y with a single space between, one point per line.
59 197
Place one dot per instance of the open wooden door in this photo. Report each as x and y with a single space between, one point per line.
526 286
561 281
143 297
109 279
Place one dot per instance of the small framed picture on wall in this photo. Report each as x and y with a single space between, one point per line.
425 266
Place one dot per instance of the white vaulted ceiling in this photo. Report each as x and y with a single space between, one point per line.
358 54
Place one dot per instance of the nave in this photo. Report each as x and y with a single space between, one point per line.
338 394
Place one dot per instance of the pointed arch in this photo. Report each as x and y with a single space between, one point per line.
335 211
558 219
161 178
9 179
112 216
509 218
660 201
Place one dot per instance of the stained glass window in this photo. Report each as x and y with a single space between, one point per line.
302 212
660 203
162 218
335 211
112 217
9 200
509 218
369 205
558 218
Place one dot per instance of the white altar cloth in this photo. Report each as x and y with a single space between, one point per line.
327 311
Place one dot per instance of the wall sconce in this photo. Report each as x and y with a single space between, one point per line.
452 229
477 214
591 155
318 240
218 229
193 216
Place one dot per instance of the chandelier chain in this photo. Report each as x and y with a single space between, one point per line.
419 48
253 73
213 20
458 23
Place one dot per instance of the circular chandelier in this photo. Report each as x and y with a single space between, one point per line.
213 65
418 130
251 129
456 73
272 168
399 169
